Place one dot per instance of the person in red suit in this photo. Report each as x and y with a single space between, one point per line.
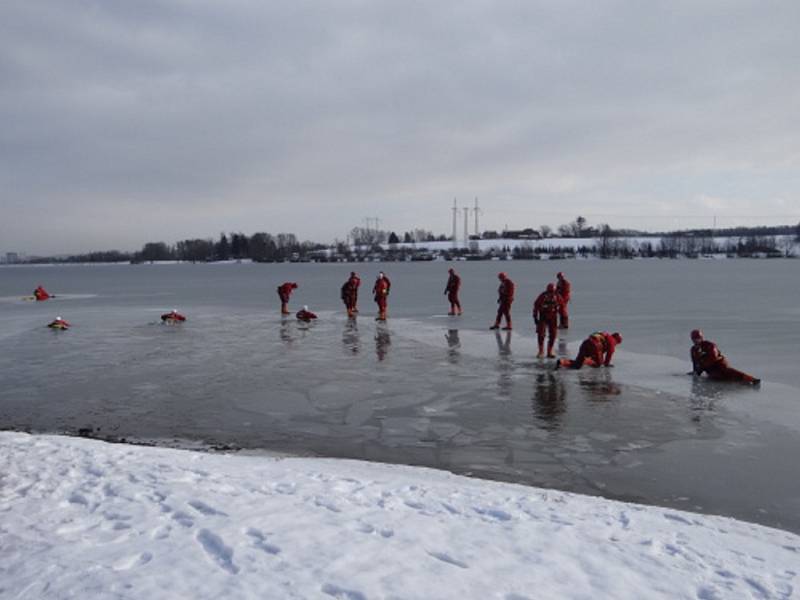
564 289
505 296
58 323
546 309
451 289
595 351
305 315
284 292
350 294
40 294
706 358
381 293
173 317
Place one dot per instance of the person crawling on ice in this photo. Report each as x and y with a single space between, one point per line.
305 315
707 358
546 309
58 323
595 351
284 292
172 317
40 294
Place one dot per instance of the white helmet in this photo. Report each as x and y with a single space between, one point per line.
305 307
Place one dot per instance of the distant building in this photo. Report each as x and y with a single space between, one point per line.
522 234
12 258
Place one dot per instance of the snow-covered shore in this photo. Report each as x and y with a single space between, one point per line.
84 518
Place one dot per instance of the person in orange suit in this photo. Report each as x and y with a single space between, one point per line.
706 358
58 323
173 317
564 289
451 290
596 350
505 297
284 292
40 294
381 293
350 294
546 309
305 315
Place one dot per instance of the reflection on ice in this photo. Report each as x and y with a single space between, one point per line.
382 341
549 401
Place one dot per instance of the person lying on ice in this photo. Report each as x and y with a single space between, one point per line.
172 317
305 315
546 309
58 323
595 351
707 358
284 291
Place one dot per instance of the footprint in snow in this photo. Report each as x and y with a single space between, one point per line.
183 519
494 513
132 562
205 509
340 592
217 551
260 541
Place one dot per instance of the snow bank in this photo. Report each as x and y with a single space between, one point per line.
82 518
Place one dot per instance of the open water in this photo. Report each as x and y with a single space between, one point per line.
425 388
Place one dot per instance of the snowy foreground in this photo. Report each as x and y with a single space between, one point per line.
87 519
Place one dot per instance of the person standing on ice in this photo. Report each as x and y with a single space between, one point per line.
451 289
284 292
350 294
505 296
546 309
381 293
595 351
564 289
707 358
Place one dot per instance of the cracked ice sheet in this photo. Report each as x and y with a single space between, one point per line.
83 518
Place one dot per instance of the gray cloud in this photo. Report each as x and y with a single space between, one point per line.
162 120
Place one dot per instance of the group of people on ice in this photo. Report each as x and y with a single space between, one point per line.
550 313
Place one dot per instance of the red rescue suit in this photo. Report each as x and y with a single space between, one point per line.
505 297
596 350
284 291
40 294
451 289
706 357
172 317
546 309
58 323
381 292
305 315
564 289
350 294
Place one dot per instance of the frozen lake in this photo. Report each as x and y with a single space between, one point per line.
427 389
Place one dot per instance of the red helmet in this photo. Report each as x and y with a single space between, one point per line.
696 334
501 275
560 275
551 287
617 337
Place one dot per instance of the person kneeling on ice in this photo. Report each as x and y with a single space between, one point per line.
172 317
284 292
40 294
595 351
305 315
58 323
706 357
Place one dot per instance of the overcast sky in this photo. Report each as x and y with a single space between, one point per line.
127 122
